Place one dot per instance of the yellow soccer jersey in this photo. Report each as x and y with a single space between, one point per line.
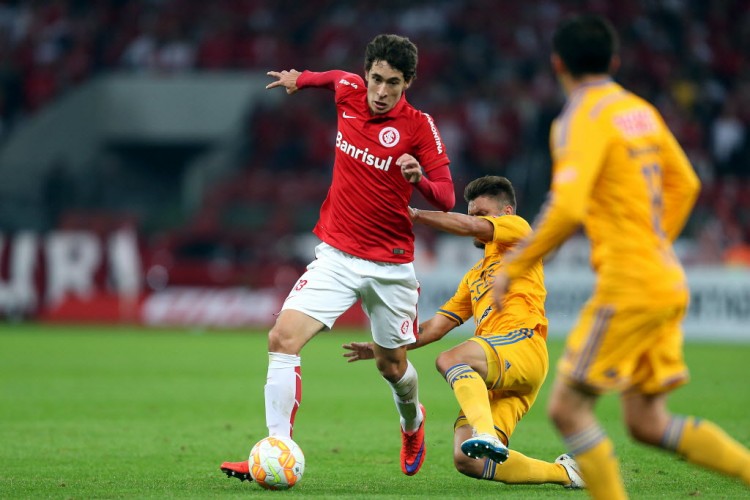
524 304
618 170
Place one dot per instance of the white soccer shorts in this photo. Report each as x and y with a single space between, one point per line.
335 280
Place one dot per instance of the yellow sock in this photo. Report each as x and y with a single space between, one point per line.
600 469
520 469
703 443
471 393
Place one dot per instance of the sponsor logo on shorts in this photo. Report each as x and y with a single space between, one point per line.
405 327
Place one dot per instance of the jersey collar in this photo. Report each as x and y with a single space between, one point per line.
582 87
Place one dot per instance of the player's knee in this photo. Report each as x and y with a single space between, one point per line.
559 415
554 411
644 430
467 465
281 340
444 361
390 370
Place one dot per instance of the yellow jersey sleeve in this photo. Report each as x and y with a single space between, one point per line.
619 172
576 159
681 187
508 230
459 308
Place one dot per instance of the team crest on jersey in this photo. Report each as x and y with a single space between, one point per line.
389 137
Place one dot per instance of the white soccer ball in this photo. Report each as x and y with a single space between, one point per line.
276 463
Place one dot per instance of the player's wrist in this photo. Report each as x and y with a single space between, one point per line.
415 213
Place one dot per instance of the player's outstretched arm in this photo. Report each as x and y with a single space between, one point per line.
286 79
455 223
358 351
431 330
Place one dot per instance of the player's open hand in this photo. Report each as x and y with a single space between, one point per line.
358 351
410 168
286 79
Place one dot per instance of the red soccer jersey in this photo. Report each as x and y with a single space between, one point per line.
366 211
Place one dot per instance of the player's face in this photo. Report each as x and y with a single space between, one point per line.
486 206
385 86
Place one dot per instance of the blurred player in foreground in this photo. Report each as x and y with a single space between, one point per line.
383 146
619 171
496 375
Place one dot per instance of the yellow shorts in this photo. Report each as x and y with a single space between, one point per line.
517 366
624 349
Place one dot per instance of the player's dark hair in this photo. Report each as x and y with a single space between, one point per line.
493 186
586 44
398 51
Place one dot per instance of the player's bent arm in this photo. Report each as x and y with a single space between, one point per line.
455 223
681 187
553 226
437 188
577 162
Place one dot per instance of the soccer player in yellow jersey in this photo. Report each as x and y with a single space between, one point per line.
619 172
495 375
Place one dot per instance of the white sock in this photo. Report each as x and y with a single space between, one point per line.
406 396
283 393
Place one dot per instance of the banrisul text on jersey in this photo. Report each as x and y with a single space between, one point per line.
362 155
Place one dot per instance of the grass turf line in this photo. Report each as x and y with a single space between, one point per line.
129 413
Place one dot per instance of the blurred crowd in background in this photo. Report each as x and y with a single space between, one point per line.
483 74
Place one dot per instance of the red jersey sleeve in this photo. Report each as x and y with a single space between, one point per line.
438 188
437 185
324 79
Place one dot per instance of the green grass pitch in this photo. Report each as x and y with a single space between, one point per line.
90 412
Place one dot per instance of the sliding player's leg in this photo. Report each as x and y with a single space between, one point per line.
465 368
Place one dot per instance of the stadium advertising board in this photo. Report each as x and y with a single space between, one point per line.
719 307
79 276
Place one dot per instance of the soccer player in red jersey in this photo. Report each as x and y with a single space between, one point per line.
385 148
